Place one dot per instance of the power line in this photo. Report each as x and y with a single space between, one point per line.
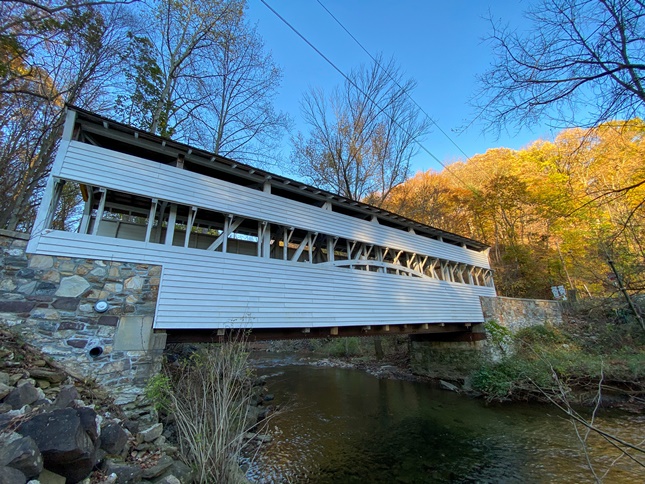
348 79
375 60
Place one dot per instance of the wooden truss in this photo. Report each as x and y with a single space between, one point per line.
112 213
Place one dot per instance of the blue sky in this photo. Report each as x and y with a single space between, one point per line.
438 43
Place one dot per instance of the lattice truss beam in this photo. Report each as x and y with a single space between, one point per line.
125 216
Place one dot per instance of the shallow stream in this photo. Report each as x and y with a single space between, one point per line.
344 425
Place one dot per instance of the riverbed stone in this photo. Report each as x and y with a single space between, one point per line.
126 473
159 468
22 395
66 448
9 475
49 375
113 438
151 433
22 454
181 471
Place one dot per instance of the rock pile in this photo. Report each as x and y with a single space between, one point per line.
49 434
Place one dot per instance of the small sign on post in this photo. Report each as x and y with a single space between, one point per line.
559 293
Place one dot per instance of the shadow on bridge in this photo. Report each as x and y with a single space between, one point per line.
419 332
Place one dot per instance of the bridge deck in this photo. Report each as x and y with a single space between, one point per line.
434 332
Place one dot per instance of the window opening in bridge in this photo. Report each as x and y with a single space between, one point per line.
120 215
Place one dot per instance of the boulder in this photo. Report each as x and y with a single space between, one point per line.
9 475
126 473
89 422
156 470
64 444
151 433
48 375
22 395
113 438
49 477
4 390
66 396
22 454
181 472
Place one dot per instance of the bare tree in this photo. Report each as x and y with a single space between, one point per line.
363 136
582 62
72 62
239 120
169 61
199 72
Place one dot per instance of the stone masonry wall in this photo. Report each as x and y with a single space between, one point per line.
50 302
457 360
516 314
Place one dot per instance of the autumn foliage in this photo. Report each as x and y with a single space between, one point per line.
553 212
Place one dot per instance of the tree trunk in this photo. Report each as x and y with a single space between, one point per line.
378 348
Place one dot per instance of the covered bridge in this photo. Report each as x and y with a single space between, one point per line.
240 247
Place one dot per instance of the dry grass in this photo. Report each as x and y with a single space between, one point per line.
209 396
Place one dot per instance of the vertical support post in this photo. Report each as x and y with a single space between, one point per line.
87 212
266 240
192 214
331 248
99 212
151 218
225 234
172 219
287 238
53 202
162 211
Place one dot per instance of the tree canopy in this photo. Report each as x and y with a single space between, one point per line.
580 63
194 70
545 209
362 135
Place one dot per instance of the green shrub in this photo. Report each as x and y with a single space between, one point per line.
158 390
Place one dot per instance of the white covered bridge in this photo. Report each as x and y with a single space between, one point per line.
243 248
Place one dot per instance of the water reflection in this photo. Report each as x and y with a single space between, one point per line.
345 426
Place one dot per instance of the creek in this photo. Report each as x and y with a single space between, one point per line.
344 425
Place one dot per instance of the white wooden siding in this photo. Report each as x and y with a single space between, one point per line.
117 171
203 289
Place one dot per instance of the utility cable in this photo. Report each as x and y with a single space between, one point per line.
393 79
348 79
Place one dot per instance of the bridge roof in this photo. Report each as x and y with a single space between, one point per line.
127 139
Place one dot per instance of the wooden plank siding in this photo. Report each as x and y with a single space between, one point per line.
207 289
201 289
98 166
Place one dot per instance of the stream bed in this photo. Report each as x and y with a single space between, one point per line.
344 425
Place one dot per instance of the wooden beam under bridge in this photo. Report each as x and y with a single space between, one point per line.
426 332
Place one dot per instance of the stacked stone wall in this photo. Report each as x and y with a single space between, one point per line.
50 301
515 314
457 360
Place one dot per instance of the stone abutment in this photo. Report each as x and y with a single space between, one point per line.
457 360
52 303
